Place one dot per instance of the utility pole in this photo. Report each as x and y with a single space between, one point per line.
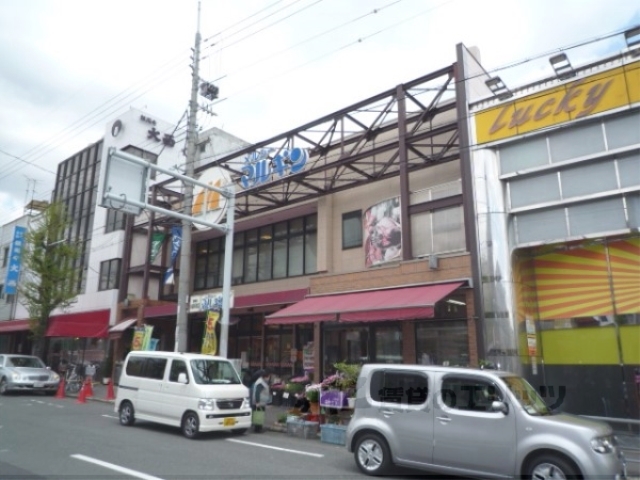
185 254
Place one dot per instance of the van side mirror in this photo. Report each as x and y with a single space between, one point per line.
498 406
182 378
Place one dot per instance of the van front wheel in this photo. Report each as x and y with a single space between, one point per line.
551 467
372 454
190 425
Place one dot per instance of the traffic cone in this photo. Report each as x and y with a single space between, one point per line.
110 394
60 392
82 395
89 384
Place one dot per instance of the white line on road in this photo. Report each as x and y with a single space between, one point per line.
110 416
299 452
115 467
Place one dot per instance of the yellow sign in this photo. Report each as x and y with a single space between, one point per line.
209 339
601 92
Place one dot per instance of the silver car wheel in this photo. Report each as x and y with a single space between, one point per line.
190 425
548 471
370 455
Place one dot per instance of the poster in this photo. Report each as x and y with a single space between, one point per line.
383 233
138 338
209 339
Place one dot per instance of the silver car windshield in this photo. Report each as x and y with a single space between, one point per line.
527 396
214 372
26 362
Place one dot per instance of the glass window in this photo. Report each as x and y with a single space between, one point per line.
214 372
296 256
421 234
524 155
250 263
467 393
177 367
587 179
576 142
109 274
533 190
115 220
388 344
448 230
623 131
310 252
265 254
442 343
280 258
404 388
352 229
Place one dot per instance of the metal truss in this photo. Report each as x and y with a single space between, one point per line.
360 144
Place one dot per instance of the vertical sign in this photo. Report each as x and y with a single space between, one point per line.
209 339
15 261
157 239
176 241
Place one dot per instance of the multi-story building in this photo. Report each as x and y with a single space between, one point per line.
556 177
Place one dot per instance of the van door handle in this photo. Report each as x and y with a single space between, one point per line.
388 413
444 419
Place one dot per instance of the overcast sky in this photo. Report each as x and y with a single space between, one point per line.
69 66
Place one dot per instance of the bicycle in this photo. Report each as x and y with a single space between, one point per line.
74 378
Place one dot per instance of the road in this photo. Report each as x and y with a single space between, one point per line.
46 438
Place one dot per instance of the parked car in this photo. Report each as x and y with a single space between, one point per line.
473 423
26 373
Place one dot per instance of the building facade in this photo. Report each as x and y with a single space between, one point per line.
556 179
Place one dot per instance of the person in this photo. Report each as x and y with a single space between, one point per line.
260 396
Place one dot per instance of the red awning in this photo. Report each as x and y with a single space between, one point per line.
14 326
393 304
271 298
83 324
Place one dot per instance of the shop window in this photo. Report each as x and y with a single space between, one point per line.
442 343
350 345
406 388
388 344
352 229
109 274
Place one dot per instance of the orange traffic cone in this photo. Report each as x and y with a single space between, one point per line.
89 384
82 395
110 394
60 392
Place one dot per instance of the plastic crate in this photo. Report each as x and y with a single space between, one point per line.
302 429
335 434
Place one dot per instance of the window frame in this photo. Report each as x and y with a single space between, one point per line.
112 281
349 216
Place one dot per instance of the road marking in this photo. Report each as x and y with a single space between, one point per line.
299 452
115 467
111 416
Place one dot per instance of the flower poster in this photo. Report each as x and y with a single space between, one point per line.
383 233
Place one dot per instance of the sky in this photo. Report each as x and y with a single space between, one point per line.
67 67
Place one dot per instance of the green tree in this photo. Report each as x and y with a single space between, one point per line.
50 272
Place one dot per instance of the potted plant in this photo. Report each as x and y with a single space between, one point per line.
348 380
313 395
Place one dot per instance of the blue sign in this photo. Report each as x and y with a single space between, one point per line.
15 261
176 241
260 166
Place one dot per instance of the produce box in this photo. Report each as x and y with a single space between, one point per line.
335 434
302 429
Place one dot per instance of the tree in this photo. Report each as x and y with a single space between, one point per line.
50 270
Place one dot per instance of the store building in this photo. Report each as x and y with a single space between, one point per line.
556 182
349 242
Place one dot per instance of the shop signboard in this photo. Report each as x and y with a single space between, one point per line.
209 301
263 165
333 398
307 357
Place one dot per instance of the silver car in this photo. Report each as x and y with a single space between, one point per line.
473 423
26 373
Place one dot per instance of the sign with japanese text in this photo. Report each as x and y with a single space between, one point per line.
604 91
15 261
262 165
176 242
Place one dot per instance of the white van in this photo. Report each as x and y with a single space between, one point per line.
198 393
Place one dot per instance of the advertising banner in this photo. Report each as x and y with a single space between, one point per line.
157 239
15 261
383 233
209 339
146 342
138 338
176 242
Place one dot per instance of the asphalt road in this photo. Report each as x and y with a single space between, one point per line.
46 438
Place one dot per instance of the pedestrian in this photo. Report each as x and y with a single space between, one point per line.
260 398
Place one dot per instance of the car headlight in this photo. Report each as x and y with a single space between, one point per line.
602 444
206 404
55 377
246 403
15 376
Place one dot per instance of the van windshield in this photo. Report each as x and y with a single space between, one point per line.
214 372
527 396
